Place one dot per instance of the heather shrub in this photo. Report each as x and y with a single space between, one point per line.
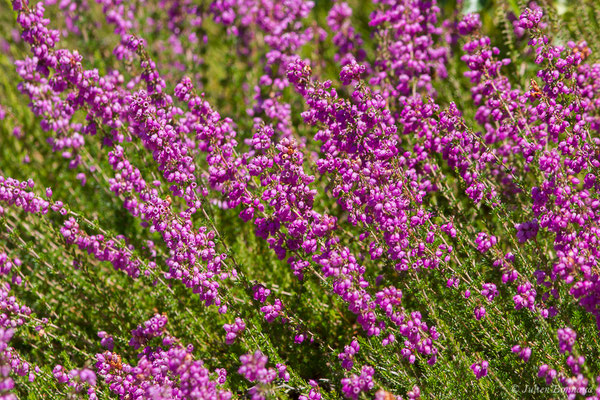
299 199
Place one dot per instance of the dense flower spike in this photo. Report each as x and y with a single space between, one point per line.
6 382
254 369
347 40
411 57
348 355
280 27
566 339
167 371
233 330
353 386
154 327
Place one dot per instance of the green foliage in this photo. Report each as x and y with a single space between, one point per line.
80 301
